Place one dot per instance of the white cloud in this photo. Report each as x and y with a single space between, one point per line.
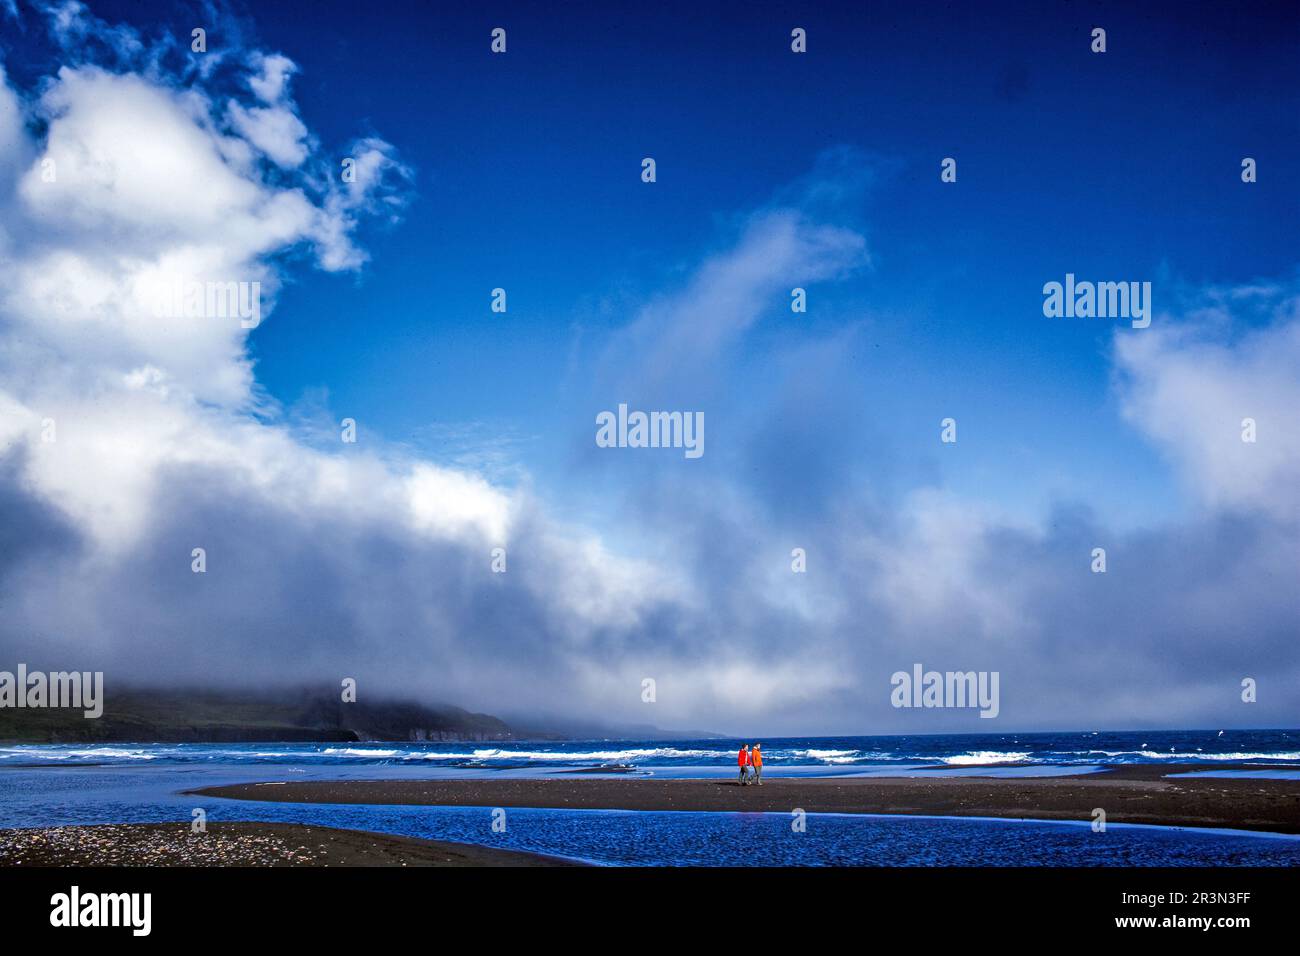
272 84
82 35
1190 385
674 338
155 179
274 130
147 189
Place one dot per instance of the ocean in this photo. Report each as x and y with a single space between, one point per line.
49 785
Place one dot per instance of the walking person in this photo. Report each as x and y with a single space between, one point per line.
756 761
743 760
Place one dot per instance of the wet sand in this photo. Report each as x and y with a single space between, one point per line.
1128 794
242 844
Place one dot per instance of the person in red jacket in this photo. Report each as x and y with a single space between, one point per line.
743 760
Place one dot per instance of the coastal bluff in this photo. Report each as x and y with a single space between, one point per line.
214 716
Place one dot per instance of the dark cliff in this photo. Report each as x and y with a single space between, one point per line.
180 716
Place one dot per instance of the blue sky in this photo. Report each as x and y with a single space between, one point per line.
522 171
1112 166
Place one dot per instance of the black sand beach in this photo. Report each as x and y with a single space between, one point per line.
242 844
1128 794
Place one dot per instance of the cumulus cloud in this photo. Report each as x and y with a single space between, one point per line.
139 185
135 437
